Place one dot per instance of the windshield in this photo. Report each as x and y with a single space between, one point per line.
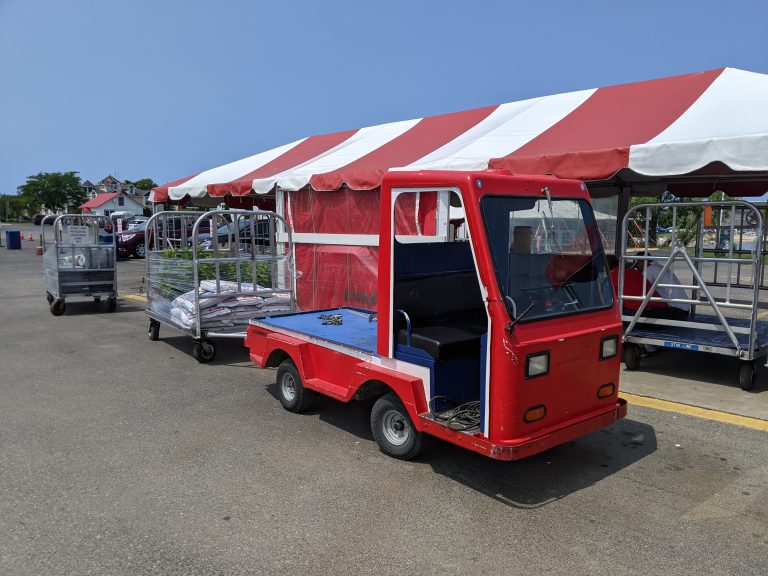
547 256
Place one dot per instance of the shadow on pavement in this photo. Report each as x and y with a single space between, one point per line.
84 306
528 483
352 417
229 351
552 475
702 368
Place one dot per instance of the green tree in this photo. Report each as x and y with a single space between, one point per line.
11 207
145 184
53 190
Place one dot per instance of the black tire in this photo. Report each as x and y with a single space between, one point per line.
747 376
393 428
140 250
290 389
204 351
49 297
154 330
111 304
632 355
58 307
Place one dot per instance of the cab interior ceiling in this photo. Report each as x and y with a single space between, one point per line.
698 184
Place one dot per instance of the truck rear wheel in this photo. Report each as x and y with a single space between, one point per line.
290 389
393 428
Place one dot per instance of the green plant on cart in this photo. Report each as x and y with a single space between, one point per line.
176 271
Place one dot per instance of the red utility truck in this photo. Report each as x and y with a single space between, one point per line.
495 330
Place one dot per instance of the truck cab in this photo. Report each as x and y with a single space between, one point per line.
495 327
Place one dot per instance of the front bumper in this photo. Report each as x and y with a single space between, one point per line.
523 447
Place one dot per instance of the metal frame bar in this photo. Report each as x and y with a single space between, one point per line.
694 264
58 244
238 253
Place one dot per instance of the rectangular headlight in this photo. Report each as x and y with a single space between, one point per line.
609 347
537 364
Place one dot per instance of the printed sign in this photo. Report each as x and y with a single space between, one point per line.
78 234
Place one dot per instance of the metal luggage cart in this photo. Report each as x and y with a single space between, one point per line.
209 273
79 260
725 278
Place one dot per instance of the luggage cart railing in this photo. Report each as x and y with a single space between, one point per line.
215 272
735 318
78 259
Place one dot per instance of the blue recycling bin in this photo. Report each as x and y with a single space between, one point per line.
13 239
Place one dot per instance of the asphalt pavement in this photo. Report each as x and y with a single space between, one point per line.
119 455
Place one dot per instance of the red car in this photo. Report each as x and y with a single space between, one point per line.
131 242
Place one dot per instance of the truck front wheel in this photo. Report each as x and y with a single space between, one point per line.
293 396
393 429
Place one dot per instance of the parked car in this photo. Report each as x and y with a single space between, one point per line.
226 233
132 243
135 222
37 220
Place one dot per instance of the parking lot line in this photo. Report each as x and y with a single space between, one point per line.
667 406
135 297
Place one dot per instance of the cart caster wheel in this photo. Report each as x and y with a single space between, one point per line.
154 330
393 429
747 376
293 396
49 297
204 351
111 304
97 299
632 354
58 307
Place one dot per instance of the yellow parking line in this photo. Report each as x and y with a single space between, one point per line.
136 297
667 406
762 315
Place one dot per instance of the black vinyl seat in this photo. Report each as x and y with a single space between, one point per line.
444 342
446 312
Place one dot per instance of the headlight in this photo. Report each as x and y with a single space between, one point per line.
537 364
125 237
609 347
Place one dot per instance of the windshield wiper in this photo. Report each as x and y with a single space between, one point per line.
511 325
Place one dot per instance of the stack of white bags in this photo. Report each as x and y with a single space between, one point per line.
224 304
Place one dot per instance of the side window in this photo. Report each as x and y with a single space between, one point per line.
120 201
416 214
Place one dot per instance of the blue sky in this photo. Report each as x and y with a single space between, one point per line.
163 89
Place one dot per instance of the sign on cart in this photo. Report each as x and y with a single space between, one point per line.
78 234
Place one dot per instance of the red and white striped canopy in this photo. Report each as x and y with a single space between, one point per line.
665 127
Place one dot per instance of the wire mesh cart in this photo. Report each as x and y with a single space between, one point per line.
209 273
79 260
718 269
